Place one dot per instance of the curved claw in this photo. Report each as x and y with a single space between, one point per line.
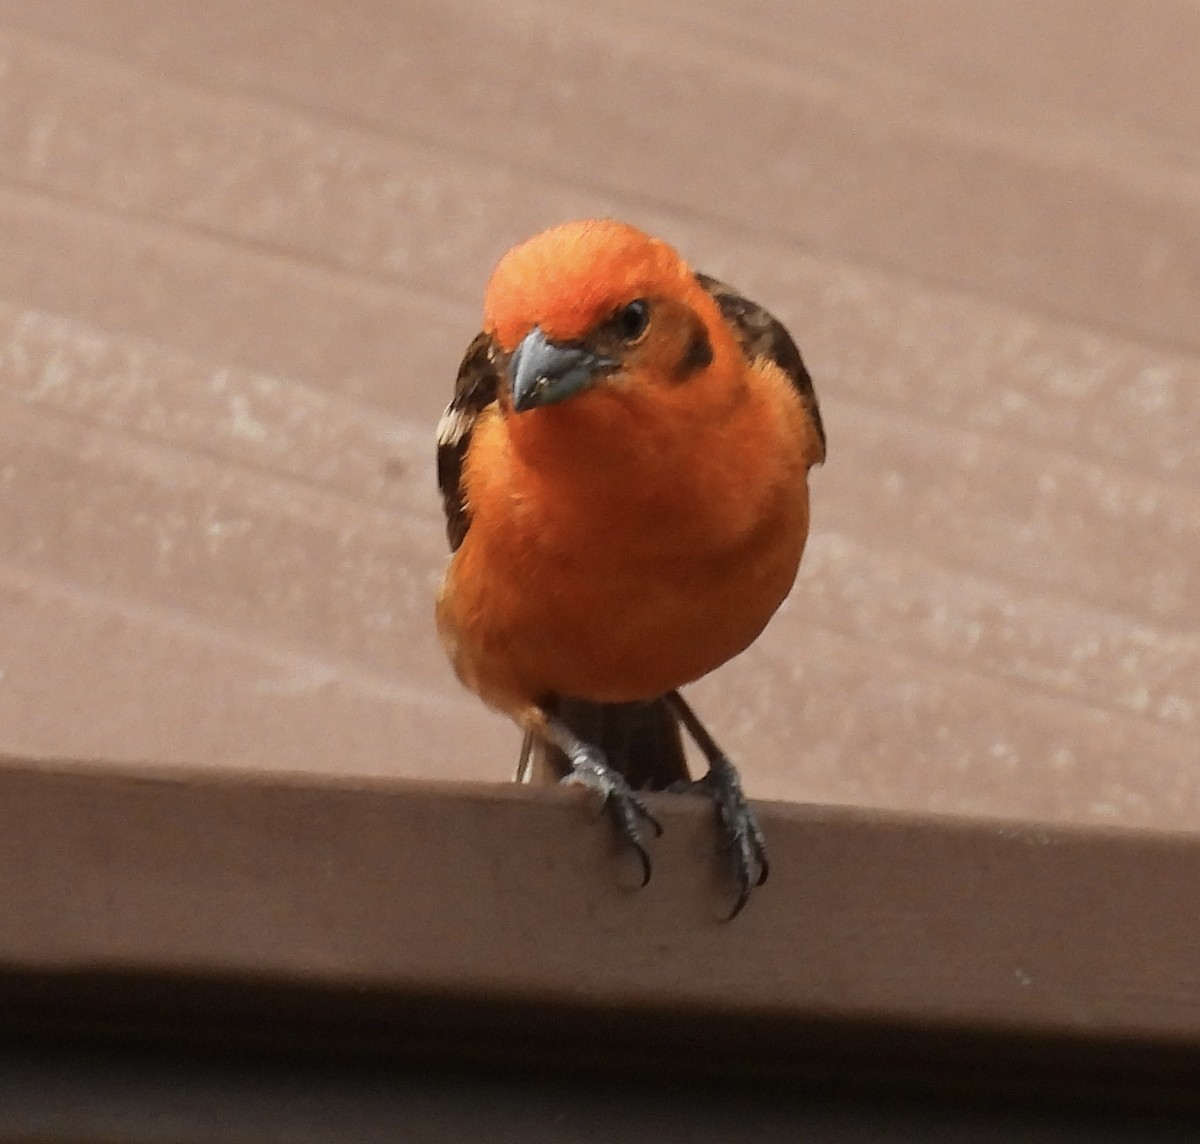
742 898
590 769
746 842
742 833
644 858
743 836
626 807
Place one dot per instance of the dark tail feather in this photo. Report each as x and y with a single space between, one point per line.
641 740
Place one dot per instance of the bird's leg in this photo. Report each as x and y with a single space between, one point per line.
525 762
745 838
589 768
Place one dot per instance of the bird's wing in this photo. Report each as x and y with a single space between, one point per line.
763 336
475 389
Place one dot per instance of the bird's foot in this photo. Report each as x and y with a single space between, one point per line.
590 769
743 836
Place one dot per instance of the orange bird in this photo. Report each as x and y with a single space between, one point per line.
624 471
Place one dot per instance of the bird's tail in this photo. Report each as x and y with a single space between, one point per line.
641 740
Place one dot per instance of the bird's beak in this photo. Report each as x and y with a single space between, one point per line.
543 372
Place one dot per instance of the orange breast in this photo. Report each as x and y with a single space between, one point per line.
630 551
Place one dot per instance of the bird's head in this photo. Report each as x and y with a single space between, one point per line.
598 305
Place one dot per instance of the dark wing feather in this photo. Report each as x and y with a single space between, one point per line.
763 335
476 388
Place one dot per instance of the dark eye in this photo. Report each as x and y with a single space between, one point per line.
630 321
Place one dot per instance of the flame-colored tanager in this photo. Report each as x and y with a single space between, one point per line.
624 470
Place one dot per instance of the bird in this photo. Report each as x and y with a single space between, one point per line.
623 469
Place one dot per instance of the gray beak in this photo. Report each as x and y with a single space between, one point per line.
543 372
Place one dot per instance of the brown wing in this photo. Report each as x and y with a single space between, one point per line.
764 336
475 389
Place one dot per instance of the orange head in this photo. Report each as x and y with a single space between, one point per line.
599 301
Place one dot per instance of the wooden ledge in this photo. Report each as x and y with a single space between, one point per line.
497 921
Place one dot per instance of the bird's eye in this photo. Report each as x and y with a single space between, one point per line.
630 321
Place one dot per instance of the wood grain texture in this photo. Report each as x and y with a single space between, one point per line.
244 252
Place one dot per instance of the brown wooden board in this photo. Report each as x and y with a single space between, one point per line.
499 923
244 247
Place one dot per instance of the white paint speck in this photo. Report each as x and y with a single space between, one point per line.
1152 389
40 134
1062 759
299 682
1177 709
242 422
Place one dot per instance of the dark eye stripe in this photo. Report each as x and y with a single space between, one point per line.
697 354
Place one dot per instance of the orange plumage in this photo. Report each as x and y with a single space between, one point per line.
625 472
